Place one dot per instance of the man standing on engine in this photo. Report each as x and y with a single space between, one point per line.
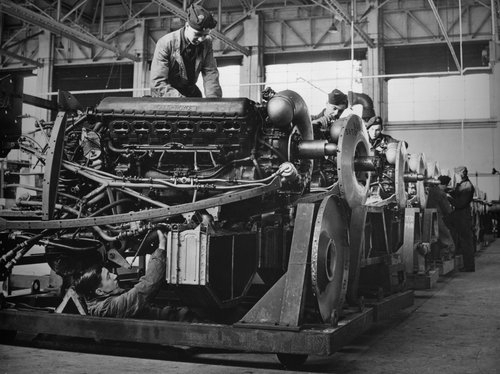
182 55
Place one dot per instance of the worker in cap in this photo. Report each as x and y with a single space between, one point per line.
461 218
460 170
182 55
444 180
337 97
378 140
375 121
437 198
336 107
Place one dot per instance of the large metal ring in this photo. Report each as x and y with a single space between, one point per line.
352 143
401 167
330 257
433 170
417 163
421 189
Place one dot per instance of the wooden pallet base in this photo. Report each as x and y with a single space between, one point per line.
423 281
446 266
322 340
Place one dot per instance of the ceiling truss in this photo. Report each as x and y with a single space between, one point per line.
94 31
58 28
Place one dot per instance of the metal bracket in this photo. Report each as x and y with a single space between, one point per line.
117 258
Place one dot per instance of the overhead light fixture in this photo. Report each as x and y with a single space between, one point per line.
333 28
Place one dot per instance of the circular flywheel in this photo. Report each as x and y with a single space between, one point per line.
421 189
400 170
330 257
352 143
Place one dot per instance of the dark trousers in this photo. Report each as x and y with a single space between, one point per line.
461 220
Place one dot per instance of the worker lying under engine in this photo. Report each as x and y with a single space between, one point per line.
105 298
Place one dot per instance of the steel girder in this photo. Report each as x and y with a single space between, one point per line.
23 59
411 22
337 9
29 16
445 34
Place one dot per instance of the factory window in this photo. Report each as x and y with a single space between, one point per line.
439 98
92 79
314 80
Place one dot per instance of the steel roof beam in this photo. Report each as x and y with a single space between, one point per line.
20 41
445 34
182 14
245 5
75 8
57 28
26 60
335 7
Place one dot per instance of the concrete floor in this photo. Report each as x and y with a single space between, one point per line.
453 328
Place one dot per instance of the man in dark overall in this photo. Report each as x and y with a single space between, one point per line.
182 55
461 219
105 298
437 199
378 140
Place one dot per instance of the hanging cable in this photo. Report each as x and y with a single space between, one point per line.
352 45
463 80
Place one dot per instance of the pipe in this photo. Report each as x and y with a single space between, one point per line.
95 192
287 107
105 236
96 199
39 189
57 206
494 30
162 148
109 206
365 101
62 246
11 257
133 193
413 177
366 163
316 149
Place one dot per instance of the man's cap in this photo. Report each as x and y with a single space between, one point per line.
337 97
444 180
460 169
200 19
377 120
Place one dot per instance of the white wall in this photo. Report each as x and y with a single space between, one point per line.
313 81
444 145
452 120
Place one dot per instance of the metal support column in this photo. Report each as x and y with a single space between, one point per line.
44 74
141 67
252 69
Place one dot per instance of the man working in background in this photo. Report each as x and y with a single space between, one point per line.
182 55
461 218
438 199
335 107
378 140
